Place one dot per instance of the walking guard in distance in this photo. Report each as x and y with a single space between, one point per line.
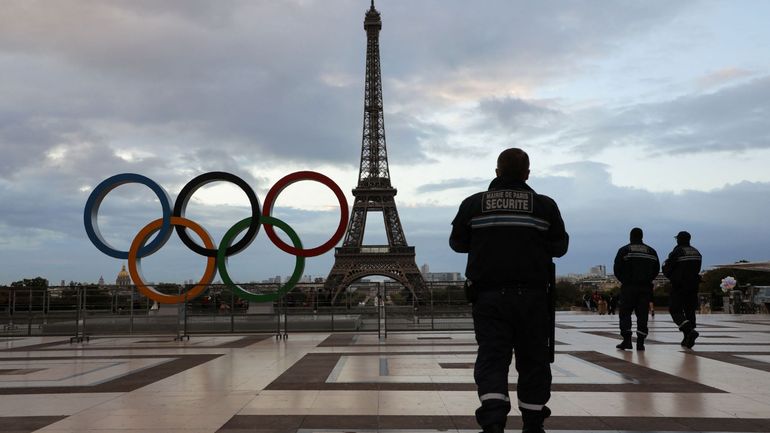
682 268
636 266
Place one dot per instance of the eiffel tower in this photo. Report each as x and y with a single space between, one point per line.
374 193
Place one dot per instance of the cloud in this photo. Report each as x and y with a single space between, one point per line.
731 118
727 224
721 77
251 81
173 89
504 42
518 115
475 182
254 77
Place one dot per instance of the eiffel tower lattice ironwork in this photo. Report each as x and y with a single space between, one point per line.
374 193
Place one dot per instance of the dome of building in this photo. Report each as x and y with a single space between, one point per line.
123 278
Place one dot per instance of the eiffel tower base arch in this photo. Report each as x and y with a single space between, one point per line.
352 266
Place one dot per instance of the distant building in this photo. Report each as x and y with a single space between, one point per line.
749 266
442 276
660 280
273 280
425 269
123 279
598 271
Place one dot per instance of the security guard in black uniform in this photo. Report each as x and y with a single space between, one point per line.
511 233
682 268
636 266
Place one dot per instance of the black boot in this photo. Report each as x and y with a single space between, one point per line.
640 343
493 428
689 339
533 419
626 343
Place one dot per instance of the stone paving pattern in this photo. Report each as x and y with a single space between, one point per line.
408 382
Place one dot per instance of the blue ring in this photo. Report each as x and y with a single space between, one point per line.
95 200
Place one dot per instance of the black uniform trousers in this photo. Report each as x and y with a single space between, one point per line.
682 306
505 321
634 298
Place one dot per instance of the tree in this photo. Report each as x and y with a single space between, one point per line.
567 294
661 294
35 283
713 278
34 286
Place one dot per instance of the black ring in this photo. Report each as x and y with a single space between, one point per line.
184 196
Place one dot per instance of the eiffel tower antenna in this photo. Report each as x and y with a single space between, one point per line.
374 193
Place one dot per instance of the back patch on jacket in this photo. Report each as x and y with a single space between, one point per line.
507 200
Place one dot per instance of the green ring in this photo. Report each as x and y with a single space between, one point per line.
228 238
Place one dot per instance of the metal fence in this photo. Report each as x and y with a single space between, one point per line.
82 311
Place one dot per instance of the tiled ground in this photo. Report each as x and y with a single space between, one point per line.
323 382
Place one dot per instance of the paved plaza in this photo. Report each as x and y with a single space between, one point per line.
408 382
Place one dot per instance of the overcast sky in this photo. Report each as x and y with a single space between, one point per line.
634 113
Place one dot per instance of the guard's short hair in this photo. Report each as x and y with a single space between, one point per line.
513 162
636 234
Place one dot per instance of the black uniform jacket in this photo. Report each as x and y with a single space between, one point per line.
682 267
510 233
636 264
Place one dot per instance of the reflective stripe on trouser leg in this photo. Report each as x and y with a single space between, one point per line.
532 355
642 310
491 322
624 315
530 406
677 309
493 396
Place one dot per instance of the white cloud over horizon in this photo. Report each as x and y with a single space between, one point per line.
636 113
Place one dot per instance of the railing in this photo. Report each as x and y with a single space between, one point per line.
375 249
82 311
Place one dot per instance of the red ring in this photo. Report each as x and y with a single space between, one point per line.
289 179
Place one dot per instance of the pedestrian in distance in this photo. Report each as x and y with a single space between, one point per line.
682 268
602 306
511 235
587 301
612 304
636 266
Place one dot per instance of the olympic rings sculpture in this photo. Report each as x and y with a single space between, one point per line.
216 256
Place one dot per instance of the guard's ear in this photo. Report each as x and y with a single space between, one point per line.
497 172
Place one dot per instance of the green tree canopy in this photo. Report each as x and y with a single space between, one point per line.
713 278
37 282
